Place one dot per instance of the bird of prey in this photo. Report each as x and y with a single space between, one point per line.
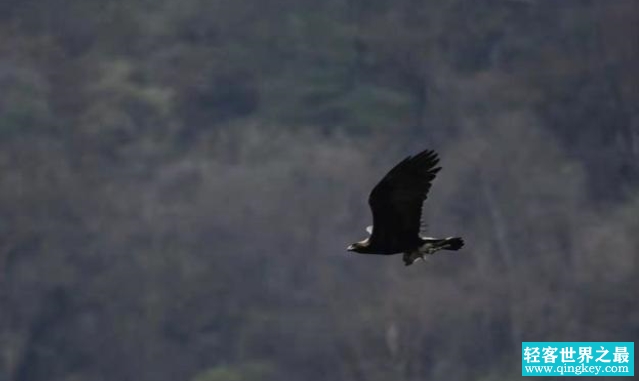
396 203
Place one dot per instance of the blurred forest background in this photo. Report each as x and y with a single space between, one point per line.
179 181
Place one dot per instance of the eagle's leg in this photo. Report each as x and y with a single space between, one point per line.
411 257
422 253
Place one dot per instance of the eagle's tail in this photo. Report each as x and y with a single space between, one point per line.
450 243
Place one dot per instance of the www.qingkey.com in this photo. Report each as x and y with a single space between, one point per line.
576 369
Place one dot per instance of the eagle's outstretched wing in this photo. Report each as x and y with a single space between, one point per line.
396 202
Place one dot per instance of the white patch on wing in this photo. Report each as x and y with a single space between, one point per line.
369 229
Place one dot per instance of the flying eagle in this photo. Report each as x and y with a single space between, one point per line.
396 203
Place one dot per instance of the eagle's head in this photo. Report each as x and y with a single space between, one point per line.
358 247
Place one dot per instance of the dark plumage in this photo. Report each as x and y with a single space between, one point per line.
396 203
